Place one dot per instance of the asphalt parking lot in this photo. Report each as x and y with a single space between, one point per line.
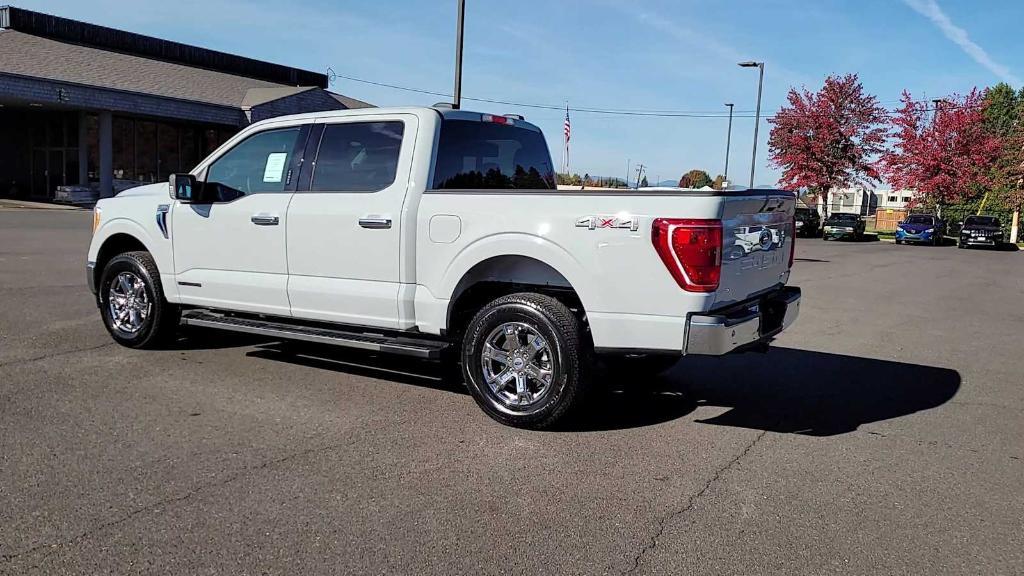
884 433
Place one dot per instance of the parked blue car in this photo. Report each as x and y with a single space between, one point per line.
921 228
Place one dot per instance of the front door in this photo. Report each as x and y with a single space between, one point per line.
229 248
344 231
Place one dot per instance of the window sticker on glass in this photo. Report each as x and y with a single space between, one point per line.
274 171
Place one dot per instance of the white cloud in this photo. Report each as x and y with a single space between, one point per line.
931 10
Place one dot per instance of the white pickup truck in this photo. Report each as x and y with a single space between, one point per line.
420 230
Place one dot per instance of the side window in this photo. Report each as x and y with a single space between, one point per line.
257 165
357 157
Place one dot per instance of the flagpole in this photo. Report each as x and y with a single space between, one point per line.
565 137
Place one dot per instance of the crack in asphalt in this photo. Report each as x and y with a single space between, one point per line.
690 503
53 355
53 546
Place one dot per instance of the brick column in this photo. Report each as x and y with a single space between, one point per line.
106 154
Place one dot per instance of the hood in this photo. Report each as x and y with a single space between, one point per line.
157 189
985 227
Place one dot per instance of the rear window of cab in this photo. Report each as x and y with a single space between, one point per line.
474 155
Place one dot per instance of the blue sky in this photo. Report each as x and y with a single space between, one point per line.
648 55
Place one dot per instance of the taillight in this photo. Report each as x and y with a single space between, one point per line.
792 241
691 250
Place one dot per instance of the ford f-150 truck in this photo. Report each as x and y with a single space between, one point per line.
423 230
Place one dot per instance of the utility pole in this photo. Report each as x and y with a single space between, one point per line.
728 141
458 55
757 115
627 172
639 174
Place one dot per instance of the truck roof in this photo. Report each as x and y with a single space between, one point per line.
444 112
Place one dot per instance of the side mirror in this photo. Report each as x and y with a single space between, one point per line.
184 187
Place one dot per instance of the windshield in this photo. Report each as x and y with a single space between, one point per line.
981 221
844 218
919 220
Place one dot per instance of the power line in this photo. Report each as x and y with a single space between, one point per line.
620 111
332 76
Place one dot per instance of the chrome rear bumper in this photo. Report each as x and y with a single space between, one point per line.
744 325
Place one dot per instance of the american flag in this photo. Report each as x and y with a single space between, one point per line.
568 129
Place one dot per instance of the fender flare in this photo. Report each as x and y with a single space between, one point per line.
517 244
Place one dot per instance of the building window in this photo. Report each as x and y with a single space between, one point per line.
189 149
893 199
168 155
124 149
906 199
145 151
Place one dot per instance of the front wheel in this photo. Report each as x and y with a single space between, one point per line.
131 300
525 360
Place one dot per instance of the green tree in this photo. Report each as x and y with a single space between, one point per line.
695 179
643 182
1004 119
719 182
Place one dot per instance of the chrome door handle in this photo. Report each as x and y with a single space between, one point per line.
265 220
375 223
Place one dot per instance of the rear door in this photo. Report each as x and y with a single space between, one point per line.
757 236
345 226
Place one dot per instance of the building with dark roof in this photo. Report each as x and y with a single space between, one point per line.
82 104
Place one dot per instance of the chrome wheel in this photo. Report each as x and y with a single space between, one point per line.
517 365
128 303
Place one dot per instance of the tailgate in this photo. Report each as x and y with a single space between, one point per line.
757 236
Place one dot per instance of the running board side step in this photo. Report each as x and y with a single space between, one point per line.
375 342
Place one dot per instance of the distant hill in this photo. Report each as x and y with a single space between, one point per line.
667 183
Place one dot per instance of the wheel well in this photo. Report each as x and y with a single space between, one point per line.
503 275
116 244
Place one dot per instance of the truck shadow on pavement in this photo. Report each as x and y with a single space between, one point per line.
795 391
785 390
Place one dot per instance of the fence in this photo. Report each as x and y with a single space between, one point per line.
887 219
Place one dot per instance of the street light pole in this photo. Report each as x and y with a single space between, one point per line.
757 115
458 56
728 141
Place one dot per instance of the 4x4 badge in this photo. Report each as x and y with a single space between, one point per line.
592 222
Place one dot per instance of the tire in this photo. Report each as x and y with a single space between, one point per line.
898 241
554 369
153 328
961 245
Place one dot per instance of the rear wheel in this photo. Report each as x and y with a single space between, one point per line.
132 304
525 360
